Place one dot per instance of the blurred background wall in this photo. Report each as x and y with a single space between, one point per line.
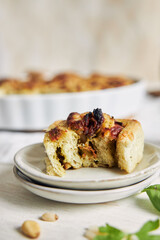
109 36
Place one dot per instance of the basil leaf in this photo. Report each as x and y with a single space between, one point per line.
111 233
153 193
149 226
149 237
108 238
146 228
110 230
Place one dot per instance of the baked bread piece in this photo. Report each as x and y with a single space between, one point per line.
37 83
93 139
33 84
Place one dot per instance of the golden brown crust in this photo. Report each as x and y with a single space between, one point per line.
93 139
130 144
36 83
86 125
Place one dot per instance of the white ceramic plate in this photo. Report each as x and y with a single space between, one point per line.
79 196
30 161
37 112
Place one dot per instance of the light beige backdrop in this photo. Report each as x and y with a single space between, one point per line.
117 36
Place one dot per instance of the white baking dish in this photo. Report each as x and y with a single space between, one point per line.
36 112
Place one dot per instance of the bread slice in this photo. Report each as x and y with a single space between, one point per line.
93 139
129 146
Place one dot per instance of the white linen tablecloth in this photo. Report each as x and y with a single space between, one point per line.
17 205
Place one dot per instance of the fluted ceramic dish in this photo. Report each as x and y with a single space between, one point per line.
37 112
30 161
79 196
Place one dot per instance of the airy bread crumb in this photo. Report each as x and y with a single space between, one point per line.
93 139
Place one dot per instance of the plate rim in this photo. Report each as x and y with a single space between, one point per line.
62 180
79 191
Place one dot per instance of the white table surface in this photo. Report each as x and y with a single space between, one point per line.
18 204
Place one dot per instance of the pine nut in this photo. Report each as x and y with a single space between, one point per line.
31 229
49 217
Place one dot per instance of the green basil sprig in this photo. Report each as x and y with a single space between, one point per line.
111 233
143 233
153 193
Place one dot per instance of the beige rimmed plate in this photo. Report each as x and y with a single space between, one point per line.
30 161
79 196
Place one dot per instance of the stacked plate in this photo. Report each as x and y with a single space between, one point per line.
85 185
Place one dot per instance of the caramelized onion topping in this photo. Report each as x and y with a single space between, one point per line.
88 124
115 131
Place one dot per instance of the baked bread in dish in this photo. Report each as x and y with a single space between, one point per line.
37 83
93 139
